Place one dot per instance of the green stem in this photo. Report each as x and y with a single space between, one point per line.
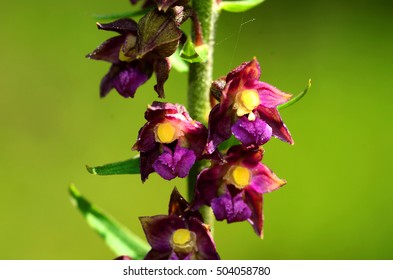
199 81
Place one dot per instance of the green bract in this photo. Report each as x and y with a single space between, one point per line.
296 98
192 53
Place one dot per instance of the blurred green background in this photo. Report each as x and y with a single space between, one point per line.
338 200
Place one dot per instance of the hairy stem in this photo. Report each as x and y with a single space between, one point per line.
199 81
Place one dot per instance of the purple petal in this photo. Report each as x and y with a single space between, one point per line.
161 68
270 96
187 257
109 50
220 122
177 203
195 136
205 244
207 185
159 229
147 159
255 203
130 78
173 256
248 132
164 166
107 81
247 71
233 209
273 119
264 180
249 157
146 140
169 165
124 25
158 255
180 207
159 110
177 256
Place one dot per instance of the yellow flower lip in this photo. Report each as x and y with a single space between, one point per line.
181 236
239 176
165 133
246 101
183 241
250 99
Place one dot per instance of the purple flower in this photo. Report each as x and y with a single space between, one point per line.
235 189
140 49
247 109
180 235
170 142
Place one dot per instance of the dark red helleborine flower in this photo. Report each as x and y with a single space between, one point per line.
247 109
180 235
170 142
140 49
235 189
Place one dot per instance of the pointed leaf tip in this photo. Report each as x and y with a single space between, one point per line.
118 238
91 170
239 6
296 98
129 166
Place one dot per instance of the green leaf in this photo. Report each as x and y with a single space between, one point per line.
129 166
296 98
119 239
178 63
193 54
239 6
121 15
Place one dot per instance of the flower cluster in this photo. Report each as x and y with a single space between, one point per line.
170 143
233 186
